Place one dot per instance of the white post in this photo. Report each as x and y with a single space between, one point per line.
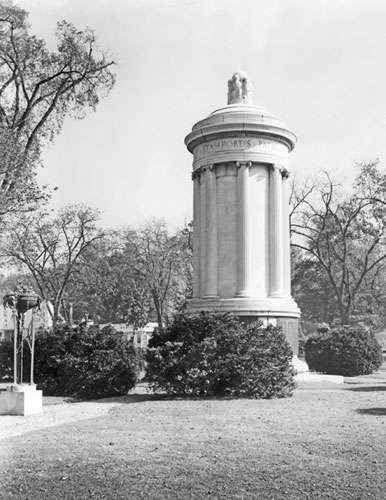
32 326
15 335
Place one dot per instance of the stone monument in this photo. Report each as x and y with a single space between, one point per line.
241 240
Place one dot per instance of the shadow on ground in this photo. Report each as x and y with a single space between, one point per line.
367 388
129 399
372 411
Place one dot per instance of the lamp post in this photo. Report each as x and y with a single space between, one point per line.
21 301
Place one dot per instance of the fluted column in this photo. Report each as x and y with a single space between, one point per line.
203 208
196 235
211 233
243 232
286 238
276 232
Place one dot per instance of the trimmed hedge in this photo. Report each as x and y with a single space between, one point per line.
86 364
214 354
347 351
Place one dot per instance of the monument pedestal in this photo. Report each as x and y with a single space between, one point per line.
21 399
282 312
300 365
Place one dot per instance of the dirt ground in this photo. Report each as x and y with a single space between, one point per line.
326 442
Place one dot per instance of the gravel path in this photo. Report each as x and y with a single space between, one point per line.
53 415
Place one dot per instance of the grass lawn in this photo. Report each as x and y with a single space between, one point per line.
326 442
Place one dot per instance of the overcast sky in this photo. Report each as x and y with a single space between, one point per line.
320 66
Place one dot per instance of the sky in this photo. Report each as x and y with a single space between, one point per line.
320 66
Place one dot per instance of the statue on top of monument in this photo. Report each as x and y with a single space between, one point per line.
240 89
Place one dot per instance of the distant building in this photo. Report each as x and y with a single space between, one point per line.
139 337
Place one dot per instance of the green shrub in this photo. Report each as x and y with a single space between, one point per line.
87 364
214 354
6 361
347 351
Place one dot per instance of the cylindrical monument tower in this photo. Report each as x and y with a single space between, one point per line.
241 241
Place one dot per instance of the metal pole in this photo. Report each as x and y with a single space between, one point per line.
21 356
19 345
15 348
32 348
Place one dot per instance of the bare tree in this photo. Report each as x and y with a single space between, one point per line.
51 249
134 275
344 231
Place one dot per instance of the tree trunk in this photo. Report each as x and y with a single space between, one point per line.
158 308
344 314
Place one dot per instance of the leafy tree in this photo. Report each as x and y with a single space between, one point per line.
159 261
23 195
312 289
50 248
134 276
105 287
38 88
344 232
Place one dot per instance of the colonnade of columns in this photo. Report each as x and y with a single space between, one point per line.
206 242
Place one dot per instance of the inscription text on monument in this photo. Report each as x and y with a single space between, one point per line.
238 144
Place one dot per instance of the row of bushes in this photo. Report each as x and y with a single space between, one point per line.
87 363
204 355
210 354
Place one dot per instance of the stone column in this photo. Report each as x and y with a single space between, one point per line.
202 209
211 233
196 234
276 233
243 233
286 237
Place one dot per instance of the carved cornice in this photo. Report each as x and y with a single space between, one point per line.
285 174
281 168
196 173
247 164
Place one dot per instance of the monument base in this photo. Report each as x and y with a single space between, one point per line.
303 374
300 365
277 311
21 399
267 307
311 377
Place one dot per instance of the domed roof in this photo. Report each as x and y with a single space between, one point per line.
241 118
